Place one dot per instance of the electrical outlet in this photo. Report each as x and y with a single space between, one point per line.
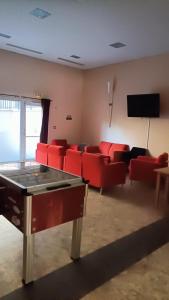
68 117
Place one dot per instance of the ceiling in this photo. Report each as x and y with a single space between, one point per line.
86 28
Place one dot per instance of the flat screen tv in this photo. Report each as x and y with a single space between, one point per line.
143 105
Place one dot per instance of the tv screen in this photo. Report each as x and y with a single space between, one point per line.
143 105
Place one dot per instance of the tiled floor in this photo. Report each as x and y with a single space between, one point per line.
120 216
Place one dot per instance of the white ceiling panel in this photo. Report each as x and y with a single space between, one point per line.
86 28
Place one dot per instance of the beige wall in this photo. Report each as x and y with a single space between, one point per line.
22 75
78 92
140 76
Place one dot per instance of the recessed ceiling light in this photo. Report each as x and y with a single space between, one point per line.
70 61
40 13
23 48
75 56
117 45
5 35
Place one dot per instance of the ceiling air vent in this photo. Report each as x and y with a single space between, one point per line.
25 49
117 45
5 35
40 13
70 61
75 56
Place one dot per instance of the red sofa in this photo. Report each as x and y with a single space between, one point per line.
113 150
41 155
100 173
93 167
63 143
142 168
55 156
73 162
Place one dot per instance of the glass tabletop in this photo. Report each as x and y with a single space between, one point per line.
29 175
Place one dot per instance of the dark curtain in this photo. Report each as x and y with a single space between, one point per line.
45 119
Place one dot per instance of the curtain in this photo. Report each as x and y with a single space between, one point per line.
45 120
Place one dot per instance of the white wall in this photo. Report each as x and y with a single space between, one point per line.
22 75
147 75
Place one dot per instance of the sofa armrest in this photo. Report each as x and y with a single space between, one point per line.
118 155
106 159
92 149
147 165
74 147
56 150
146 158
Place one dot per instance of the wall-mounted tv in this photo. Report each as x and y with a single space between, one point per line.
143 105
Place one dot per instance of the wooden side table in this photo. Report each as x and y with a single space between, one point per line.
162 173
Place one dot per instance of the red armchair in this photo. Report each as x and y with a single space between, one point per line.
63 143
41 153
113 150
142 168
56 156
100 173
73 162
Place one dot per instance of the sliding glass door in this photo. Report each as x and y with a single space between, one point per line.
20 125
33 127
9 130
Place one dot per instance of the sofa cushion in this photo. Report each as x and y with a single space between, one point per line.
104 147
117 147
114 151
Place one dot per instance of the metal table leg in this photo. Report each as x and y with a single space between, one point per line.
76 239
166 188
28 245
28 242
77 231
157 190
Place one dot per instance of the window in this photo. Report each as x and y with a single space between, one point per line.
20 125
33 127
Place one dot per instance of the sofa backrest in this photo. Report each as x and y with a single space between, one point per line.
118 147
56 156
113 151
59 142
42 147
104 147
108 148
73 162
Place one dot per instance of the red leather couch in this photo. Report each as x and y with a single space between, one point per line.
100 172
73 162
41 155
113 150
63 143
142 168
93 167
